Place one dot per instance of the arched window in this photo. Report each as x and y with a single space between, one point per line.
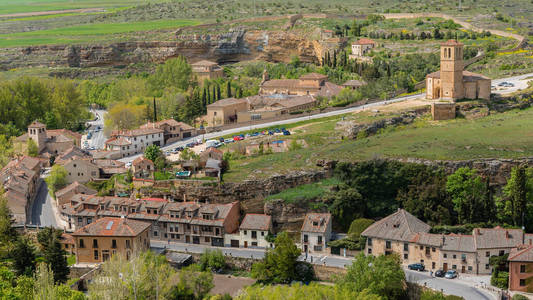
449 52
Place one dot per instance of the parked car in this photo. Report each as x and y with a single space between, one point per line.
178 149
286 132
90 135
128 164
190 145
451 274
416 267
439 273
238 138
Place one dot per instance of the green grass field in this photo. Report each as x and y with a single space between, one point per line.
306 192
24 6
87 33
503 135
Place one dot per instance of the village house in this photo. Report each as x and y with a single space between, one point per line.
67 243
452 82
261 107
131 142
353 84
49 142
205 69
211 153
361 48
110 167
253 232
316 232
521 269
20 181
313 84
404 234
224 111
98 241
172 130
81 170
64 195
142 167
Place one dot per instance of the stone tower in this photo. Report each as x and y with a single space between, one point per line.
37 132
451 70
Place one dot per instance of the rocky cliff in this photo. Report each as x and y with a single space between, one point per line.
232 46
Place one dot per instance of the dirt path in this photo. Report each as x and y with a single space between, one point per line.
229 284
53 12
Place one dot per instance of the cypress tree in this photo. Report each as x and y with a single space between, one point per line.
214 94
208 97
228 90
218 92
204 98
56 258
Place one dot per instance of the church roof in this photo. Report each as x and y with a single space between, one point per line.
451 43
365 41
467 76
36 124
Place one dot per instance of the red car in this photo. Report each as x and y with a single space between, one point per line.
238 138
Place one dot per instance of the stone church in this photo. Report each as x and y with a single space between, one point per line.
452 82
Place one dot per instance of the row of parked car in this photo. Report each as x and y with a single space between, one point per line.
450 274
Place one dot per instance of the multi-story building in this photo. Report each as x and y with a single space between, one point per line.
172 130
521 269
64 195
253 231
407 236
131 142
362 47
98 241
189 222
316 232
205 69
20 180
142 167
49 142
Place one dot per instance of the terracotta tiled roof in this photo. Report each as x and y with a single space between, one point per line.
469 76
137 132
67 238
313 76
75 186
487 238
354 83
141 159
316 222
169 122
522 253
118 141
458 243
452 43
204 63
36 124
113 227
365 41
256 221
428 239
329 90
226 102
65 132
400 226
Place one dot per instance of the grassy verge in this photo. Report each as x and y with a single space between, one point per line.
71 259
163 175
503 135
305 192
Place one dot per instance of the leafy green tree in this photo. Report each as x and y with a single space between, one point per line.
174 73
212 260
313 291
518 193
346 204
23 255
32 148
57 179
157 276
357 227
43 288
56 257
469 195
228 89
152 152
279 264
47 234
380 275
8 233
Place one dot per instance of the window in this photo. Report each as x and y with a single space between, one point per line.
469 268
369 250
405 256
522 282
245 232
454 256
155 233
502 252
369 242
254 244
128 246
454 267
306 238
207 239
433 265
82 245
95 254
428 251
487 254
487 266
95 243
262 233
254 234
405 247
319 239
114 244
445 255
80 219
66 246
433 249
387 245
89 220
522 268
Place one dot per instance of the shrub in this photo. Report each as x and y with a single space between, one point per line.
212 260
519 297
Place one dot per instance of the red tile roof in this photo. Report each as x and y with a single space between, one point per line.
113 227
452 43
320 219
256 221
365 41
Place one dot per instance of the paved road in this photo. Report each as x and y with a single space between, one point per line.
42 212
448 286
516 80
332 261
98 138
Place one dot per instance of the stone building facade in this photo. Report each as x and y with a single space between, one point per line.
452 82
403 234
316 232
521 269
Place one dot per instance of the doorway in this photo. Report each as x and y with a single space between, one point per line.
463 269
245 244
445 267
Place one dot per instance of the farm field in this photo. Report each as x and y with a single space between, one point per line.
26 6
88 32
504 135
